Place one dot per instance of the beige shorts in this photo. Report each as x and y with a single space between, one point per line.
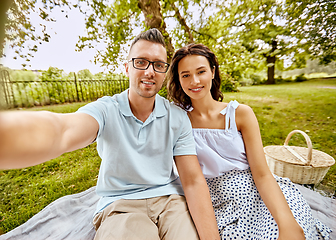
165 217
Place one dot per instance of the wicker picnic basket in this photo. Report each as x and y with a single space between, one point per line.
299 164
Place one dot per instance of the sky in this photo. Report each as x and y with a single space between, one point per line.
60 50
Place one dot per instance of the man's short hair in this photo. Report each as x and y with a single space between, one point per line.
151 35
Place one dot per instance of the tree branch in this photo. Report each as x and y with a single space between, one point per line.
183 23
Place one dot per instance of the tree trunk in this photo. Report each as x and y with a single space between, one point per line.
4 5
153 19
271 64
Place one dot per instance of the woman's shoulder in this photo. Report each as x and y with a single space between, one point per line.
244 114
243 109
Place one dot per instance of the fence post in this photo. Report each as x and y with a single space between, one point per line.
76 87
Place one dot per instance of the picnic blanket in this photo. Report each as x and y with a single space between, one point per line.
70 217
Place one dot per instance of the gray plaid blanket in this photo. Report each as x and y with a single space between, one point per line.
70 217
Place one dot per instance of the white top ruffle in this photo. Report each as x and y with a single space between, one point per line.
221 150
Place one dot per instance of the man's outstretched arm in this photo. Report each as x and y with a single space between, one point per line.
30 138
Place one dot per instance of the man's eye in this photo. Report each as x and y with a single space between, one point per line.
159 65
139 62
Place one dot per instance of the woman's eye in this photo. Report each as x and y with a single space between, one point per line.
185 76
202 71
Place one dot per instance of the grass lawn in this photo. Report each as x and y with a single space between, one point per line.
308 106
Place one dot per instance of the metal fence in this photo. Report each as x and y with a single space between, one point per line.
15 94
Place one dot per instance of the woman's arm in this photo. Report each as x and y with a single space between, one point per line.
30 138
267 186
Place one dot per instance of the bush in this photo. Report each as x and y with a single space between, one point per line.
279 79
163 91
229 84
257 79
300 78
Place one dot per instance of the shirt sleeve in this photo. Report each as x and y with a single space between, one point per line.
98 110
185 144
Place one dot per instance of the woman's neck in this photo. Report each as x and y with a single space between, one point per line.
206 114
204 106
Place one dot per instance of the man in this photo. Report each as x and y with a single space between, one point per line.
138 135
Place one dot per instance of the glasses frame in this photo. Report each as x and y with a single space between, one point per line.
149 63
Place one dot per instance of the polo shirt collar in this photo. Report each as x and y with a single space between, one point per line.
159 108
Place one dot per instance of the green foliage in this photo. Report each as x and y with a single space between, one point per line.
52 74
55 87
23 75
163 91
313 67
257 79
113 25
19 31
85 74
315 22
228 84
245 35
300 78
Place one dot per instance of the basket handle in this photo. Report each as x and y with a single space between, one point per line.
308 141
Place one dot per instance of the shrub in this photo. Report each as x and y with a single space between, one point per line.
163 91
229 84
257 79
300 78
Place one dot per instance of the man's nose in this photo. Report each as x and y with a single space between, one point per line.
150 70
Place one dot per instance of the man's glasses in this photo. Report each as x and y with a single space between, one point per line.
143 64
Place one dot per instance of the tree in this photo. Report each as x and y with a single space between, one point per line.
20 33
278 30
315 22
116 24
246 35
53 73
4 6
85 74
253 25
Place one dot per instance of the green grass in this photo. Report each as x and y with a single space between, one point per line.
279 109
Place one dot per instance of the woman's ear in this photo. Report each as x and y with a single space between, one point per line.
213 72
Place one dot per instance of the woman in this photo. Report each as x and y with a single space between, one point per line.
249 202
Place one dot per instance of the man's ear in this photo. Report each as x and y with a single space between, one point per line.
126 69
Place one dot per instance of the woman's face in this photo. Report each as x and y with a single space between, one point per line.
195 76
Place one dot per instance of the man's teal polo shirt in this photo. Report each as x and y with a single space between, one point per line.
137 157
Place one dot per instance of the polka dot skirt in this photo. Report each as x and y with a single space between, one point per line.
241 213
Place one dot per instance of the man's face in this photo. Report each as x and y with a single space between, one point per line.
145 83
